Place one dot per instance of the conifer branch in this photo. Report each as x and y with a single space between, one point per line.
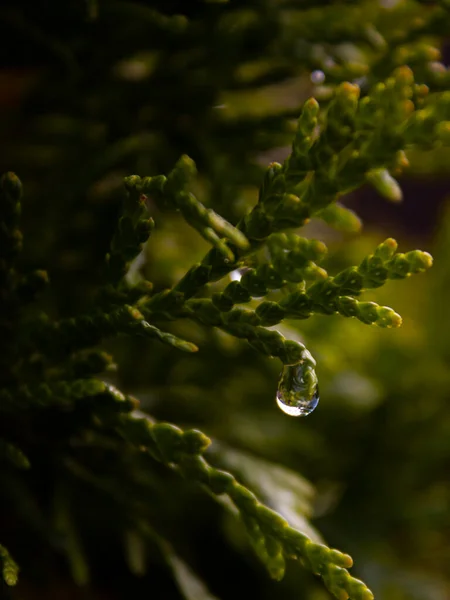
270 534
356 139
52 369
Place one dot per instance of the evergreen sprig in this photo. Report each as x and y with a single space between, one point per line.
53 364
355 139
173 192
271 536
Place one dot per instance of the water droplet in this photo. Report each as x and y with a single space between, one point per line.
317 76
298 391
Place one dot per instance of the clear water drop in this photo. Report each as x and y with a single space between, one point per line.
317 76
298 390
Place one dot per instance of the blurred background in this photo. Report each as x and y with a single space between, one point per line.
92 92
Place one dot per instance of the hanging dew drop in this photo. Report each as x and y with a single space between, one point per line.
298 390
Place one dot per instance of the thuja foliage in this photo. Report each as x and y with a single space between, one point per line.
71 435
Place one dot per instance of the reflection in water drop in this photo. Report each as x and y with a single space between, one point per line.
298 391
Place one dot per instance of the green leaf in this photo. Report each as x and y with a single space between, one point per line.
341 218
10 570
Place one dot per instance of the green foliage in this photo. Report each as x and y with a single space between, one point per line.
270 534
69 437
9 567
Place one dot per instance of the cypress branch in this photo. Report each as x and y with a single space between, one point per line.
274 540
66 432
